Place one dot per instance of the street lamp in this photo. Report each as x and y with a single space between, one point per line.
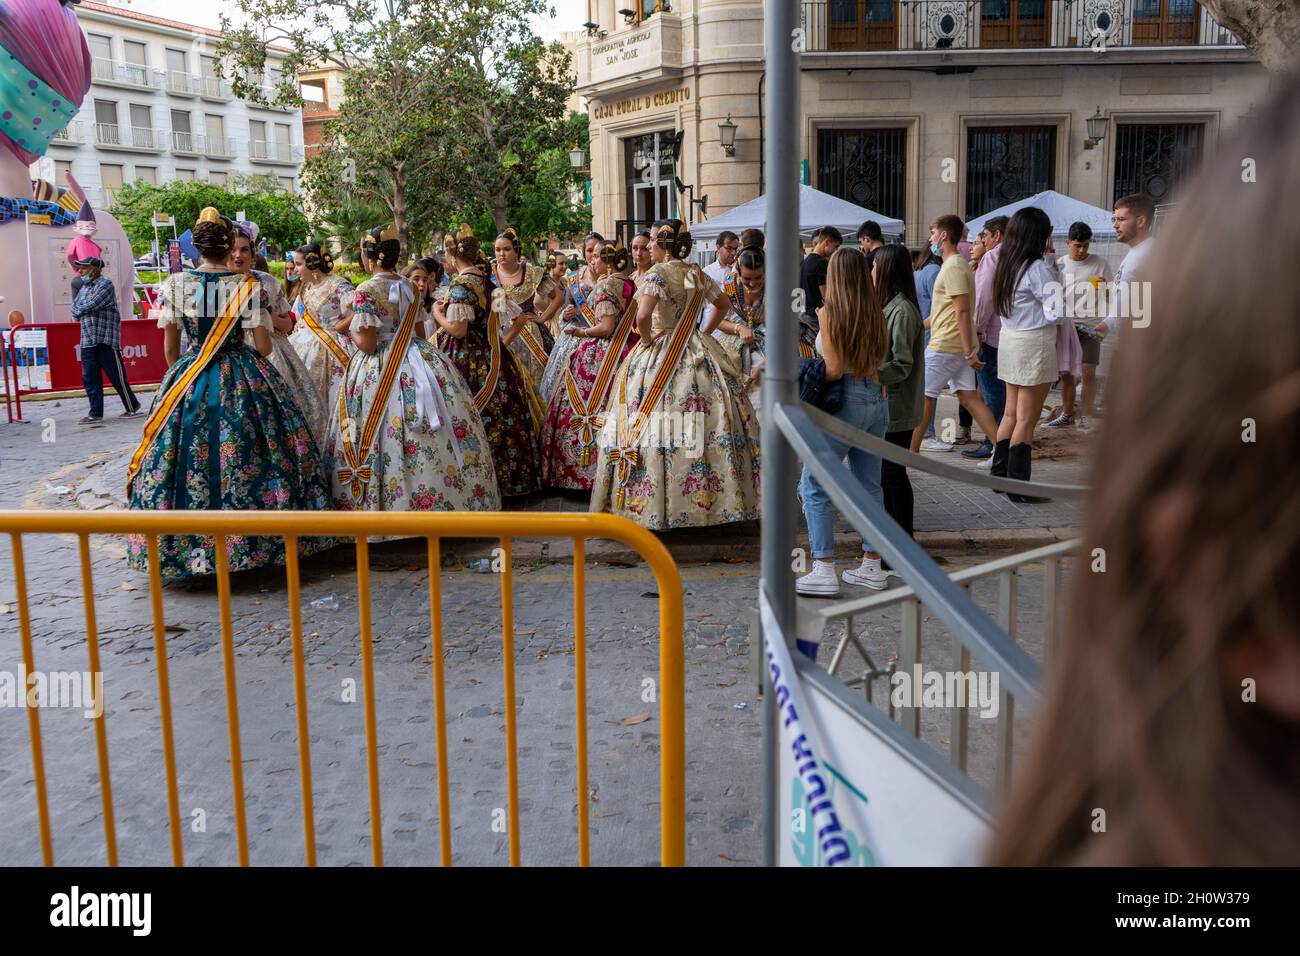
1096 129
727 136
629 16
577 158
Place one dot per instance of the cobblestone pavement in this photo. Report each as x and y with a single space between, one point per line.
723 735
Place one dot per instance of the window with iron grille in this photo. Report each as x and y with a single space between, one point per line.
1154 158
1006 163
866 167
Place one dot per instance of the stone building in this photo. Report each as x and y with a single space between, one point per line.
912 108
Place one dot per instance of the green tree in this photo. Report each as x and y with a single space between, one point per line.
346 222
277 212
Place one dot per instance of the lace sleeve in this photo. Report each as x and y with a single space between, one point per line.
257 313
168 313
365 312
652 286
605 302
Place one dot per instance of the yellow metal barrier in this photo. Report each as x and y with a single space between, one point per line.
292 525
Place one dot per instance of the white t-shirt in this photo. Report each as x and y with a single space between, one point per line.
1124 305
1036 303
1083 296
716 271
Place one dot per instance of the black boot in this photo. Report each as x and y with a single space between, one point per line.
999 467
1018 466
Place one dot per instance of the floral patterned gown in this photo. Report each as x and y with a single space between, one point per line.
696 462
564 434
326 302
236 441
744 358
290 365
430 452
507 411
577 292
530 293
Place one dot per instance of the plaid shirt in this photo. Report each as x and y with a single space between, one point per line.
96 307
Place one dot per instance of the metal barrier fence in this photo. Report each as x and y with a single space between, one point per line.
291 526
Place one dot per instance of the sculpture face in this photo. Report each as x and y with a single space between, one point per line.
85 228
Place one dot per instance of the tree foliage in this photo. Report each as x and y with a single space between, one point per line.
453 111
277 212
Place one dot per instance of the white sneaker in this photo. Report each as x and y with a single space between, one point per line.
935 444
1061 421
867 575
820 581
985 463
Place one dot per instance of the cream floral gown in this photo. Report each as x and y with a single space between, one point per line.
290 365
693 459
326 302
429 452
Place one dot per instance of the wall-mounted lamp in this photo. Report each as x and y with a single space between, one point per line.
727 136
593 29
629 16
1096 130
577 158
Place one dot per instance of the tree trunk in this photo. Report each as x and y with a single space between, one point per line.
399 213
499 218
1269 28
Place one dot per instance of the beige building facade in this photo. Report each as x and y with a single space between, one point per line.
909 109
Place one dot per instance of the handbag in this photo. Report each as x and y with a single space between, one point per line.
815 390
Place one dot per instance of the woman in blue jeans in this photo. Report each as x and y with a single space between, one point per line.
853 342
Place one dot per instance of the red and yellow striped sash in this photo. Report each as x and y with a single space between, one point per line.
484 394
163 410
585 414
356 474
625 456
327 339
533 339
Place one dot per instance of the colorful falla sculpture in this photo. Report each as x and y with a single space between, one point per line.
44 76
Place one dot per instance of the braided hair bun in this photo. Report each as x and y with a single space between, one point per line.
615 255
672 236
464 245
511 235
316 258
213 236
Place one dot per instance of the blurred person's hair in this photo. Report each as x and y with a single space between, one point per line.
870 230
752 237
1145 714
852 318
724 237
828 232
923 257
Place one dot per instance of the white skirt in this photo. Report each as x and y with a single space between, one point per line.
1028 357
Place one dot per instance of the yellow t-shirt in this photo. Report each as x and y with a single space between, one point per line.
954 278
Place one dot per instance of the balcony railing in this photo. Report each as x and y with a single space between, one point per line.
73 134
184 84
219 147
897 25
214 88
260 150
124 74
311 106
112 136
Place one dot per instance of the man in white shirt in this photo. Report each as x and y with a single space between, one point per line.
728 246
1084 279
1134 216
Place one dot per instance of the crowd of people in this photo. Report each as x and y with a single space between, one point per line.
459 383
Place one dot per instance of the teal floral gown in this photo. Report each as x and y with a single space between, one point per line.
235 441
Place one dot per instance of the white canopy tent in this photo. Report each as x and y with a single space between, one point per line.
816 209
1061 209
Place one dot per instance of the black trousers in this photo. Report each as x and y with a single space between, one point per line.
96 362
896 485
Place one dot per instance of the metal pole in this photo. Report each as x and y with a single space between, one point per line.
780 520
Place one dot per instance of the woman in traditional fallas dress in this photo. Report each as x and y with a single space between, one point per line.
225 431
469 333
680 444
569 450
741 328
576 311
283 355
530 289
323 347
403 432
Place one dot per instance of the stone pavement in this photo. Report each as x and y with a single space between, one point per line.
74 464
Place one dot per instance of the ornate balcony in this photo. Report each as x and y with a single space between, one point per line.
879 26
